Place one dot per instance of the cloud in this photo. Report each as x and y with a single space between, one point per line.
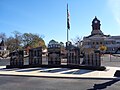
114 5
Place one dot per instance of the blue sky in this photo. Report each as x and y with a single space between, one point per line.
48 17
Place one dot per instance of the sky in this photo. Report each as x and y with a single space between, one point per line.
48 18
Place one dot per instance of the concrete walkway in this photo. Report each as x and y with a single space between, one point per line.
61 72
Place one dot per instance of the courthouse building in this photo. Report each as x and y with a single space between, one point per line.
98 38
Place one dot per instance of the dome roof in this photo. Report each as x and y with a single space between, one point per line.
53 42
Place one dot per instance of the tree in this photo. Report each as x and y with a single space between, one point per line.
18 39
11 44
2 36
33 40
27 38
14 42
77 40
102 48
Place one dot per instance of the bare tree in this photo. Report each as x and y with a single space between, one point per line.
18 39
77 40
11 43
3 36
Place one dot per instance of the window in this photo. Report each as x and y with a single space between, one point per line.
97 43
88 43
106 42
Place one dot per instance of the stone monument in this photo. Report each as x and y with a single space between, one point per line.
17 58
73 54
35 56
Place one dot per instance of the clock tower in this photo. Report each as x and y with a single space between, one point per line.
96 27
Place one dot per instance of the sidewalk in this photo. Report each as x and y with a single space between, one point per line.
60 72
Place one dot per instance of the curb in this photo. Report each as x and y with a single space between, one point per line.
62 77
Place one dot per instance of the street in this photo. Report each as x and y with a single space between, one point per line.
35 83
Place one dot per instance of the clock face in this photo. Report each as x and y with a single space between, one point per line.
96 21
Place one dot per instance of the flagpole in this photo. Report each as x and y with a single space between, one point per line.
68 24
68 27
67 35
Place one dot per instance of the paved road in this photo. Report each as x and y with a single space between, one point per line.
34 83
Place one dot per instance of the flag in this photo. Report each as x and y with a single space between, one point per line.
68 19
